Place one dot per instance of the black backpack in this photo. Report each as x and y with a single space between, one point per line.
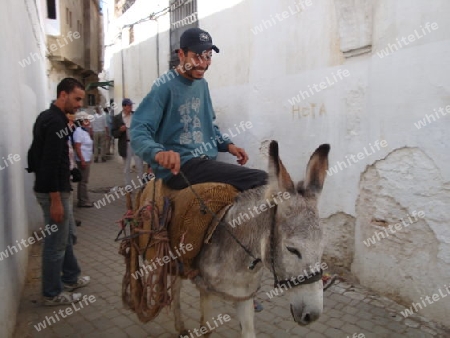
33 158
34 153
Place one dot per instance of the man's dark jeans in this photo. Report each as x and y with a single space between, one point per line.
203 170
57 255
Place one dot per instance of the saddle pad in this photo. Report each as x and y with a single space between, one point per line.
189 225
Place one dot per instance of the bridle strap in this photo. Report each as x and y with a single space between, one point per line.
294 281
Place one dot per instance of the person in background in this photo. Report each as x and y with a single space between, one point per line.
83 152
121 126
73 167
101 132
109 113
48 158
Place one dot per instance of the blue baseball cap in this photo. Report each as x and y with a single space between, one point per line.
196 40
126 102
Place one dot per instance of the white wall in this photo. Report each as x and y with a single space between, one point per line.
22 96
255 75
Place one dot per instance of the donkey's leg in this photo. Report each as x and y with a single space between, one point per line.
176 293
206 310
245 313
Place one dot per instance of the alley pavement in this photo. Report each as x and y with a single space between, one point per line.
349 309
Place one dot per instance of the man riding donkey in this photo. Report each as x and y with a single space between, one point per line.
176 119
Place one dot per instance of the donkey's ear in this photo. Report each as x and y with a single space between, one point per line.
316 170
279 178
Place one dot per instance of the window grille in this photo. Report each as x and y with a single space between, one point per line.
183 15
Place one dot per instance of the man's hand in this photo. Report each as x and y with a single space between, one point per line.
56 208
83 164
169 160
123 128
240 153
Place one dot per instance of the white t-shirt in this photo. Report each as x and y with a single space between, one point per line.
99 122
71 155
82 136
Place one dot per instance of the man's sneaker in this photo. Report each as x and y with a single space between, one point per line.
62 299
81 283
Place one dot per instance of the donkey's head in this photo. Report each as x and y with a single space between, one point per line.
297 239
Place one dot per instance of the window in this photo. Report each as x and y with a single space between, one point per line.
51 9
183 15
127 4
70 19
91 100
67 16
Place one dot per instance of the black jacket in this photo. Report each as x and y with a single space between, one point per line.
121 135
51 152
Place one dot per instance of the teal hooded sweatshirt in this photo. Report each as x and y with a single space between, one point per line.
176 115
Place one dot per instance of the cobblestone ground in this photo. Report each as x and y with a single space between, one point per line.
349 310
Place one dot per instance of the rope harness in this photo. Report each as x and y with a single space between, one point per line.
147 286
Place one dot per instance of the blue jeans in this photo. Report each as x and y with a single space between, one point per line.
57 255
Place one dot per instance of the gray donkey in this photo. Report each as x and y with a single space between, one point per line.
283 237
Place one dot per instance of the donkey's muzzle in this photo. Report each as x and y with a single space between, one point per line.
305 318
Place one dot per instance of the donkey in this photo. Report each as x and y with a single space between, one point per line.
286 239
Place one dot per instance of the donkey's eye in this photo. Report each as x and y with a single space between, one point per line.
294 251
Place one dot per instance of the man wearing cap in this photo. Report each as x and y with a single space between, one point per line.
121 130
174 128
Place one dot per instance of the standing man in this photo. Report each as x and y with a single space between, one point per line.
101 132
174 125
109 113
121 130
49 159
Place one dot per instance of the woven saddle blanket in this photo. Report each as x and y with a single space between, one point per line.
190 226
